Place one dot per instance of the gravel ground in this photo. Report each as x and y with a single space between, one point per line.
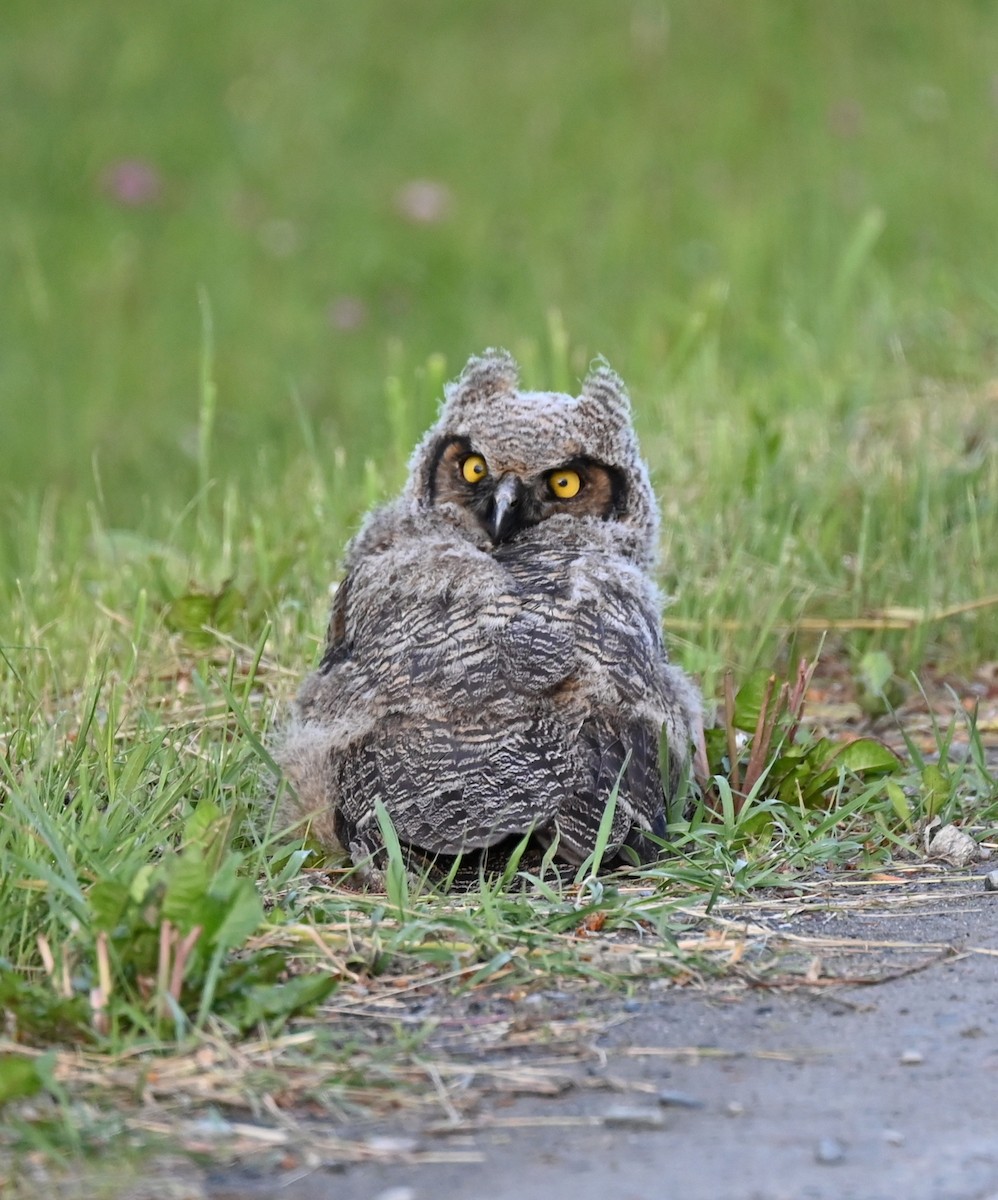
835 1092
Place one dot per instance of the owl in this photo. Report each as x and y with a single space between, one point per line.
494 664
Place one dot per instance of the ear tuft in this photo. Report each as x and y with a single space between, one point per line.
604 388
490 374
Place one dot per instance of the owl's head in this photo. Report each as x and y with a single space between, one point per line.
506 460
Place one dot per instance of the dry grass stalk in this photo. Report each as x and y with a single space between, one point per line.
881 619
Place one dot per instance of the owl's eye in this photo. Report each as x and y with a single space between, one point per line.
474 469
564 484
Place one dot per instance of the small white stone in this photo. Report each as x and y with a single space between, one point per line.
829 1151
383 1144
952 845
633 1118
911 1058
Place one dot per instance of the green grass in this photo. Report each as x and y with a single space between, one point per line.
777 222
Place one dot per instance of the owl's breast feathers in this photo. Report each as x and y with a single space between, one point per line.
481 694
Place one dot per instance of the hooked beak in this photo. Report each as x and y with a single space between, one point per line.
504 516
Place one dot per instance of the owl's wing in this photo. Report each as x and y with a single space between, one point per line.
621 760
619 693
453 787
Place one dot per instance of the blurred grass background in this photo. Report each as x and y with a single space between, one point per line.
778 220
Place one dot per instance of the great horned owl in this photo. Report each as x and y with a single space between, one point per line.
494 656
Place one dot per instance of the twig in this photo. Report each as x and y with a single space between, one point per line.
783 982
805 671
180 961
166 940
761 740
889 618
729 721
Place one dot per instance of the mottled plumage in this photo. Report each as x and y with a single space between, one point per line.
494 651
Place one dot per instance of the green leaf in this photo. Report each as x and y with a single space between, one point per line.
37 1011
189 614
229 604
876 670
243 918
188 884
199 825
716 741
267 1002
19 1077
899 801
496 963
142 882
196 612
748 701
109 902
826 761
936 789
865 756
294 861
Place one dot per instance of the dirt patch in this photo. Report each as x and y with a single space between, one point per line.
788 1079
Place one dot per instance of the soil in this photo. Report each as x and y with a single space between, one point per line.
777 1085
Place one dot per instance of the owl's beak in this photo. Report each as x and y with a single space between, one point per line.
504 515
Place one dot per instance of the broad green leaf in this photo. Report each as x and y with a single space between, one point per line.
263 1002
243 918
716 740
189 614
229 604
37 1010
19 1077
899 801
748 701
865 755
141 883
876 670
188 884
198 826
109 901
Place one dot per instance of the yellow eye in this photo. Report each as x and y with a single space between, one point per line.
474 469
564 484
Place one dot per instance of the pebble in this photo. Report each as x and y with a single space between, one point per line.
991 881
894 1137
383 1144
621 1117
679 1100
397 1193
212 1126
734 1108
911 1058
829 1151
951 844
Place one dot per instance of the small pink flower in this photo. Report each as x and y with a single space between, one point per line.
132 182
